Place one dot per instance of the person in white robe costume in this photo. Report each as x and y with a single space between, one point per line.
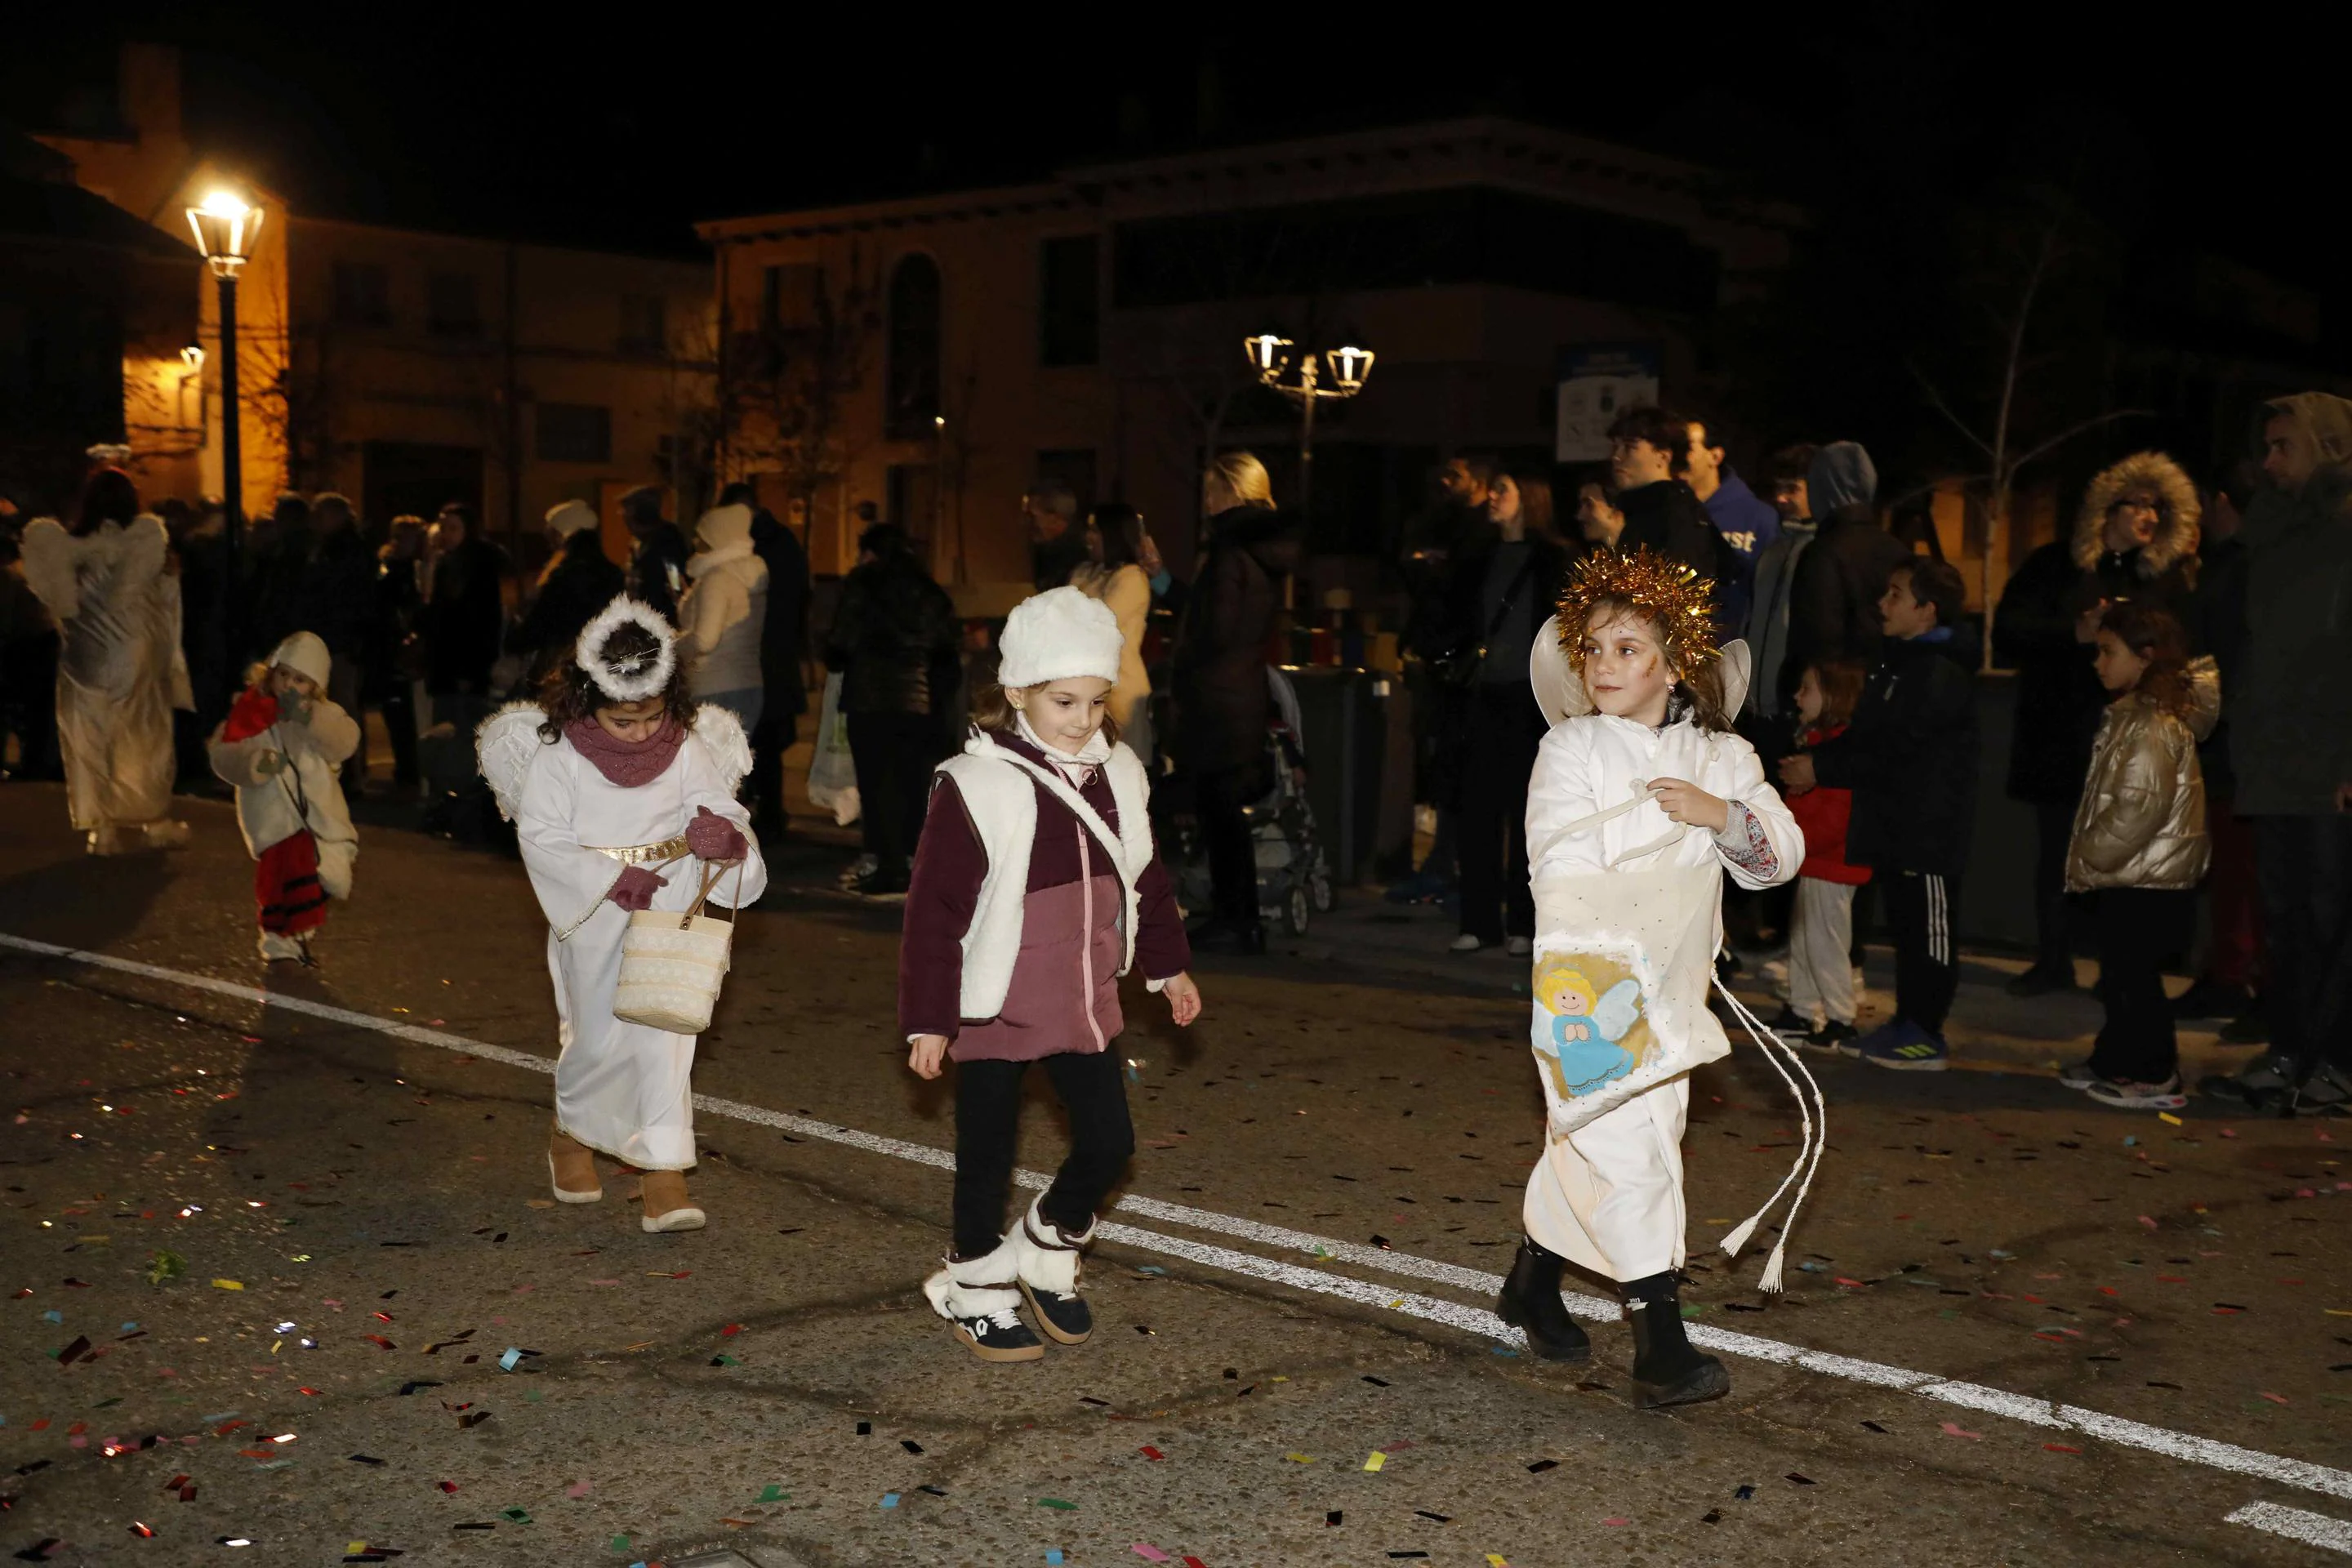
622 792
1635 812
121 670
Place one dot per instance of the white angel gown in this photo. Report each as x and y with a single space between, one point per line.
622 1089
118 666
1609 1196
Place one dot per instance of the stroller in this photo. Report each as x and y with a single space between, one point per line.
1294 878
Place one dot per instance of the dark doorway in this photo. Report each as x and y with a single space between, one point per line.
409 478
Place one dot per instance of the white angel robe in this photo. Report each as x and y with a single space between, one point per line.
623 1089
118 617
1628 919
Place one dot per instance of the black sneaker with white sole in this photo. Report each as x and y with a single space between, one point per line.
1828 1037
1000 1335
1791 1025
1065 1317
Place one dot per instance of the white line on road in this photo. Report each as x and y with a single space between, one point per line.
1476 1321
2311 1529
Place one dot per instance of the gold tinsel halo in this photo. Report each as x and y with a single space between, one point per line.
1671 593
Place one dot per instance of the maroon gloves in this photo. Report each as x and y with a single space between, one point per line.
634 889
712 837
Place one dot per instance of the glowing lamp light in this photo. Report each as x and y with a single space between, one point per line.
193 356
1349 366
1269 354
226 228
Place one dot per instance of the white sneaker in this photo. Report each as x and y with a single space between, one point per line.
277 949
1465 943
2165 1096
1518 947
2079 1076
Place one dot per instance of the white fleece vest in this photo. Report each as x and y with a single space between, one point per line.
997 789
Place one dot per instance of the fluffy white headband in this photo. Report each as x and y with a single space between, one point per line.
639 676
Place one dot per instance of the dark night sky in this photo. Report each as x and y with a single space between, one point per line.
620 127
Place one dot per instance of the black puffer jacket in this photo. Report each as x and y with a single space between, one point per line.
1910 758
1222 701
894 640
659 558
578 583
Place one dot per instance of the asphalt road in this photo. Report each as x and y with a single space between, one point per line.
265 1265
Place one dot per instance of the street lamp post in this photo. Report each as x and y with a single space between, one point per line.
226 227
1271 357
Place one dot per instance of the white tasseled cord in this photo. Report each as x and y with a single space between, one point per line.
1809 1157
1739 1235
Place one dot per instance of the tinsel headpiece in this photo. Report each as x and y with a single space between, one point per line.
632 678
1674 596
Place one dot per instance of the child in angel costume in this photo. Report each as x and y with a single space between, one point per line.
613 777
1642 798
1035 887
283 746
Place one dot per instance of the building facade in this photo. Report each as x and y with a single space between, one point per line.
403 368
936 357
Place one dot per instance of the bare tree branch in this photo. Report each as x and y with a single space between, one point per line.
1936 399
2073 430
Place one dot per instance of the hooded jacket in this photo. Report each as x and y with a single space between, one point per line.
725 607
1834 588
2290 703
2059 699
1222 704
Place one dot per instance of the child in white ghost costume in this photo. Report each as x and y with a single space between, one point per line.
1640 799
621 792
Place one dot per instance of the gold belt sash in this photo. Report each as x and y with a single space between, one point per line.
645 854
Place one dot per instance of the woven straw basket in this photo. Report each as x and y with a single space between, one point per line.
672 964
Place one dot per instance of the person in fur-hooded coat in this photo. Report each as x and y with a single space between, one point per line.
2134 540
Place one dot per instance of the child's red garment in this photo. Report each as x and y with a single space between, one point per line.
285 885
1064 993
1824 814
255 711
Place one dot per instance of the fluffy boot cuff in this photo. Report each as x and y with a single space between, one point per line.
978 1287
1047 1256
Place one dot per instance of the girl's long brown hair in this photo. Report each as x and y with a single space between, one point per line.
2155 636
568 694
1841 681
1701 689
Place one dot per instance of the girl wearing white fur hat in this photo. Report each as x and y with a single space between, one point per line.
1035 888
283 746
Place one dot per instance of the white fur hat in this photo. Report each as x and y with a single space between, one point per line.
569 518
305 654
1060 633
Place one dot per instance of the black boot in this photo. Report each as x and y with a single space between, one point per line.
1531 1300
1667 1371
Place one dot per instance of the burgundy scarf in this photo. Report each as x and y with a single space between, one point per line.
626 762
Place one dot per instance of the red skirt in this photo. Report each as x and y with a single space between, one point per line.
285 885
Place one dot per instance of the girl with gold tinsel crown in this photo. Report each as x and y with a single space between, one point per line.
1642 798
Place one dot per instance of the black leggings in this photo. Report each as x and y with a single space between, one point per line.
988 1124
2139 928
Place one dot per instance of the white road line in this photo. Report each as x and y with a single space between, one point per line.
2311 1529
1475 1321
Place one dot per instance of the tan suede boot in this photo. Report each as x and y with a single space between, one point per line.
662 1194
571 1169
